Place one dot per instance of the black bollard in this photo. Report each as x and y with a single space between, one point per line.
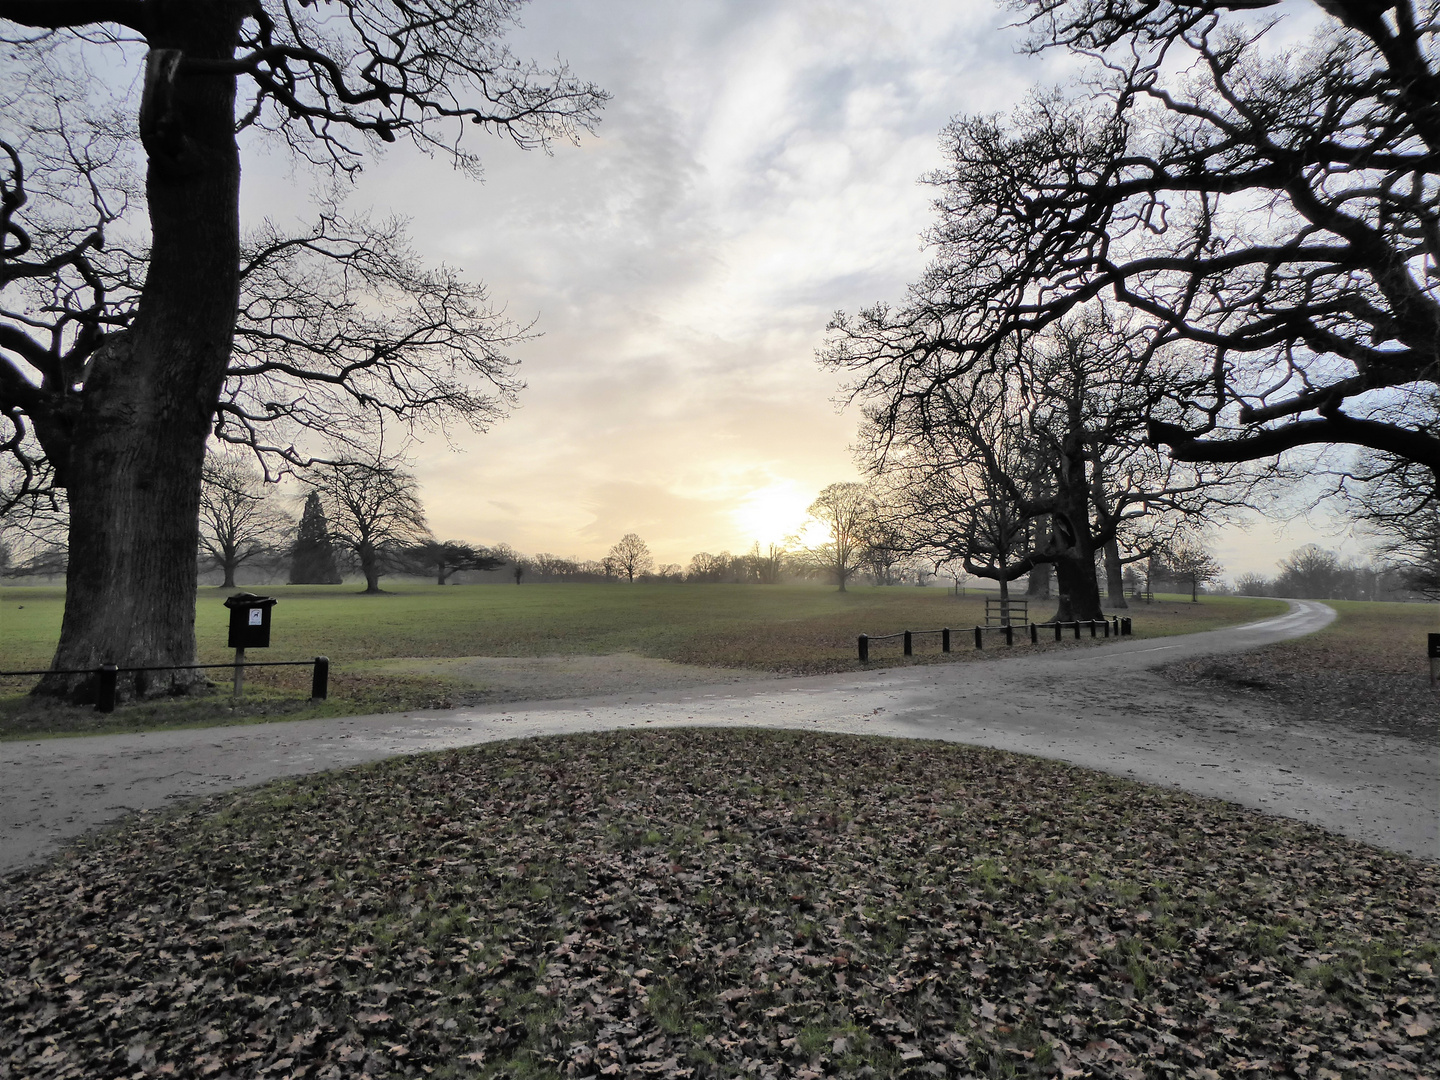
106 676
945 640
979 638
909 647
1034 634
864 644
320 681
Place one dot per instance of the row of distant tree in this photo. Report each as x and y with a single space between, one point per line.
367 518
1315 573
355 516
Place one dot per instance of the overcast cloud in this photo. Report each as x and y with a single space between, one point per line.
757 168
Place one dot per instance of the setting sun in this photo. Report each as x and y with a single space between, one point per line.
772 513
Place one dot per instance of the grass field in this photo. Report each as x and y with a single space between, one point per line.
791 629
706 904
1372 637
1366 671
775 628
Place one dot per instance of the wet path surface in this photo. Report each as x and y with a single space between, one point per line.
1103 708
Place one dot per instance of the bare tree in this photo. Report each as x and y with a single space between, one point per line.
1391 500
1188 560
554 568
707 567
1035 456
846 512
1252 584
34 527
1314 321
630 556
374 512
508 556
119 377
238 523
769 564
1309 573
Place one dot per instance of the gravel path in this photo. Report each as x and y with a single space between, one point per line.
1103 708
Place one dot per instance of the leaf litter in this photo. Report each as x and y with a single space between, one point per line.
692 903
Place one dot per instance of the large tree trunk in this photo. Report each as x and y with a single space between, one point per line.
1038 585
1079 591
130 457
1114 575
370 567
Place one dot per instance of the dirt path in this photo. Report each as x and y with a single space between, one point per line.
1102 708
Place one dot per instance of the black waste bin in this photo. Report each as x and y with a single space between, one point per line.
249 620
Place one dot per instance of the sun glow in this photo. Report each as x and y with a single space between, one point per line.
772 513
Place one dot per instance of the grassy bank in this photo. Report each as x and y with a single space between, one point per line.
707 904
791 629
1367 671
1365 636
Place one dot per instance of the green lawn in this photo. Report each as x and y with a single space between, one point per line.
792 629
776 628
1367 636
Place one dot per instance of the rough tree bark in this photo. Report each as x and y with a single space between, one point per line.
1114 575
131 454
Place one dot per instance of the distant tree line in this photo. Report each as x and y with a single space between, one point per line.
1315 573
365 517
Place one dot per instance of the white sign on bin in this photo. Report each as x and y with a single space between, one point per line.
255 616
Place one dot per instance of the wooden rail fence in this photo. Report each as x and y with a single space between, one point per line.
1115 626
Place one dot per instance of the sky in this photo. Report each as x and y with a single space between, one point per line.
757 168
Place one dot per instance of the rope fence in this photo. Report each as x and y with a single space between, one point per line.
1116 626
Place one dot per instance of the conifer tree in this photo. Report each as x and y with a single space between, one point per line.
313 561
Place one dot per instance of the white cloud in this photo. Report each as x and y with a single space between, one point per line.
757 169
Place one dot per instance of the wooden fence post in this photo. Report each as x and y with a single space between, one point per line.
105 679
320 681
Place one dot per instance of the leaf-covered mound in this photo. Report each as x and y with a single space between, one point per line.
718 903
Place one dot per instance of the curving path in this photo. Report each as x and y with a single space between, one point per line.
1103 708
